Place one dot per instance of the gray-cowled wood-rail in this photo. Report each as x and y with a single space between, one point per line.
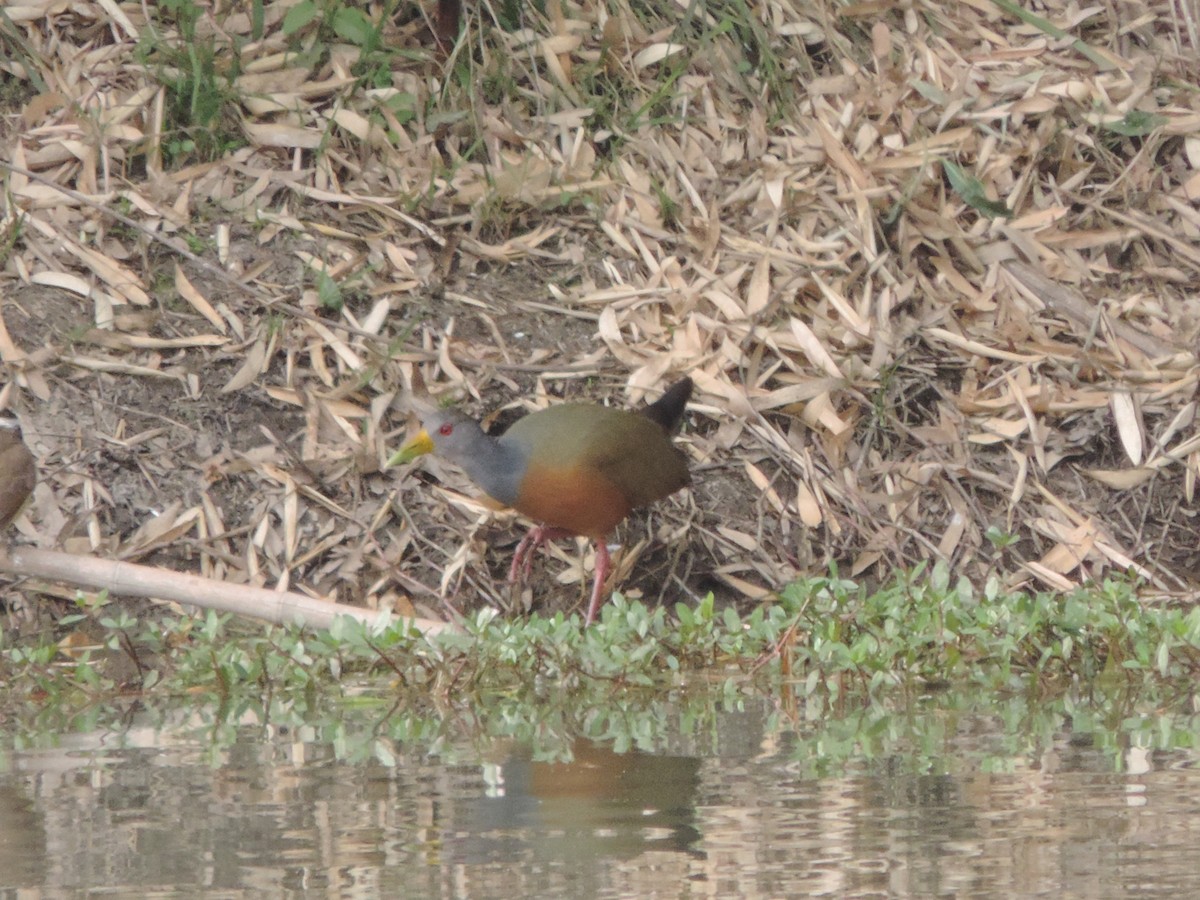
574 469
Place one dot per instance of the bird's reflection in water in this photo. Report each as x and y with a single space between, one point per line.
601 804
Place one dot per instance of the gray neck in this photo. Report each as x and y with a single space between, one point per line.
496 466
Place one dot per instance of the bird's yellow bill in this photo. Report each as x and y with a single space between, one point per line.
421 444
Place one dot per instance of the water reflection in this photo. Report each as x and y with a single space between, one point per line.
599 803
22 839
746 811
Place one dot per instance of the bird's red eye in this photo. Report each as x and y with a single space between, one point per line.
446 429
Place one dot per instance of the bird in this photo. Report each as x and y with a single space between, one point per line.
18 471
574 468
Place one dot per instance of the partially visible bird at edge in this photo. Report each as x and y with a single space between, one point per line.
18 471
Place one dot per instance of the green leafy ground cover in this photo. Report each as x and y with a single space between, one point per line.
854 676
287 215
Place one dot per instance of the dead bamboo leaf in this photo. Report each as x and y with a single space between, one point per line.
758 295
655 53
806 502
1129 425
250 369
814 349
197 301
1121 479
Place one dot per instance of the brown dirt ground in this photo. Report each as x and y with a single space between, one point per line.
144 447
150 448
888 374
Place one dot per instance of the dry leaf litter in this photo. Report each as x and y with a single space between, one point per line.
887 374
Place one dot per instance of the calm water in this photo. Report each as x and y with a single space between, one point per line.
751 809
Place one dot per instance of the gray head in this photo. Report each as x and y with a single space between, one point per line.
495 467
452 435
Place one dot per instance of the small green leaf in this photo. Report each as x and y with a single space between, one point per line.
1135 123
1103 63
403 107
971 190
929 92
352 25
256 20
298 17
328 292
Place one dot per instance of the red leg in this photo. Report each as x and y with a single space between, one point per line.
523 556
603 566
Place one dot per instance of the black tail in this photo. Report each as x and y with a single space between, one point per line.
667 410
